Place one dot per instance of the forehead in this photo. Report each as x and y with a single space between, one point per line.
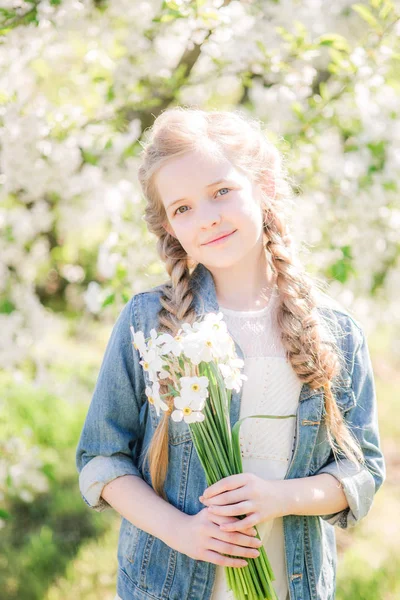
193 171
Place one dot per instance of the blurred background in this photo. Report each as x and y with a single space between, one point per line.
80 81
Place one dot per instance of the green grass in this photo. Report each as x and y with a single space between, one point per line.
56 548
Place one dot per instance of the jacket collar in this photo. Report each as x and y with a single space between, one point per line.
204 290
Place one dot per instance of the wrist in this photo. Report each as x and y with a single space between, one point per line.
286 499
173 532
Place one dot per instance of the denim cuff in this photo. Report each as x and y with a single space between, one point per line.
99 471
359 488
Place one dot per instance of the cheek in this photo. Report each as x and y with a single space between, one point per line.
184 233
246 208
250 218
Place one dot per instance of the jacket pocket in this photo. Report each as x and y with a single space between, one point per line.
150 567
178 432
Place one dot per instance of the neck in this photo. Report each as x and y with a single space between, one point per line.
246 285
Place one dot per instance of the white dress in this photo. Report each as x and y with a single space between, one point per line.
272 388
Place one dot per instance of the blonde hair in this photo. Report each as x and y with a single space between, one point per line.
241 140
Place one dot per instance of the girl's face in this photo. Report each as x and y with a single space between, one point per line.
205 198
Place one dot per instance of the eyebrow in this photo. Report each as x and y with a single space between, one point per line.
207 186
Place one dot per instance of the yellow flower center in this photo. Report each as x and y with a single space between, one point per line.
209 343
146 366
187 410
178 338
151 399
195 387
135 346
216 326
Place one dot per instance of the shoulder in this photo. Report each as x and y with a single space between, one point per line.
143 307
338 321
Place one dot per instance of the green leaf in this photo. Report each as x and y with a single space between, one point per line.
334 39
386 10
109 300
366 14
89 157
4 514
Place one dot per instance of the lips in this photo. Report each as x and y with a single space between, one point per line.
223 235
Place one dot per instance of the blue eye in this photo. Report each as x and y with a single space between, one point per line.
183 205
225 188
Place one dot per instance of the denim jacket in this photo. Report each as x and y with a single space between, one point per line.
120 423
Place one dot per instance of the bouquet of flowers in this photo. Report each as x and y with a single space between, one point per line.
201 362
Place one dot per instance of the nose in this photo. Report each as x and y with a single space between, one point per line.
208 215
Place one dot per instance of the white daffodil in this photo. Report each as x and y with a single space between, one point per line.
196 349
189 410
215 322
152 363
232 377
169 343
215 330
139 342
207 343
236 363
193 388
153 396
155 339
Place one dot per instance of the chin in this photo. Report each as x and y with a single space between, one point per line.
222 263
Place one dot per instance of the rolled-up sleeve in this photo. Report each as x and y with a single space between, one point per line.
359 484
112 425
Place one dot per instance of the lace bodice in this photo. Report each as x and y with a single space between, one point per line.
272 387
256 331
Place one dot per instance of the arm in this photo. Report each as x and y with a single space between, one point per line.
112 425
137 502
359 484
316 495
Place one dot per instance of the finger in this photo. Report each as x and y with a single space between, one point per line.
250 521
220 519
236 537
225 484
223 520
233 549
224 561
232 509
230 497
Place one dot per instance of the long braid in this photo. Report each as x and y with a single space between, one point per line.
176 307
177 299
313 360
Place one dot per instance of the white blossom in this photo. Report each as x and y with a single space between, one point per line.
153 396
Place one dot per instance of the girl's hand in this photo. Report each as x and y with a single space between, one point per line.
200 537
246 494
219 520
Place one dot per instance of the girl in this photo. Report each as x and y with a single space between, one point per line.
217 199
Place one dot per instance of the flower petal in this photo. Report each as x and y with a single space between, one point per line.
190 418
198 404
177 415
180 402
